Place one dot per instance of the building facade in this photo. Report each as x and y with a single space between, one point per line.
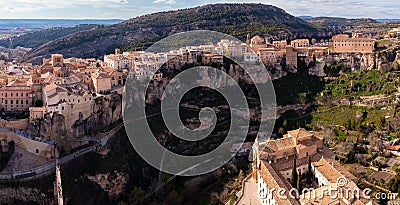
344 44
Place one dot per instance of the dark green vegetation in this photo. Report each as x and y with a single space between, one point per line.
365 83
394 184
297 89
138 33
38 38
341 22
365 25
356 113
333 96
333 69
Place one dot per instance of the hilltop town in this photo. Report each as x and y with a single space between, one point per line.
74 103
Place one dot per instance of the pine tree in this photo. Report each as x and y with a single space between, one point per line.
298 185
285 124
309 174
293 179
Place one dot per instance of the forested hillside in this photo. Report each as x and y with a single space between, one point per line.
138 33
38 38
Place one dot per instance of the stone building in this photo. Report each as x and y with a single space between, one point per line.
257 42
273 168
291 56
300 43
119 61
101 82
16 96
344 44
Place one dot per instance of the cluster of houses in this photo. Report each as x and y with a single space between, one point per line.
255 49
56 85
303 152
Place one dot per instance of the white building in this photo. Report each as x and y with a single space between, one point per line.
251 58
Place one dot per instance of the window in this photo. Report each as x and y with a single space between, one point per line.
22 102
27 102
12 102
16 94
11 94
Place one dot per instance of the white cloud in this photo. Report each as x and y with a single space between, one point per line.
120 1
164 2
125 9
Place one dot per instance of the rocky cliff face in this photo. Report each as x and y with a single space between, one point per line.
156 88
51 126
383 61
388 59
355 61
105 111
112 183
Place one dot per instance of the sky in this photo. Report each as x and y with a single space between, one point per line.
126 9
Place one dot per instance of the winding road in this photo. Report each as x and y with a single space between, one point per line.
101 140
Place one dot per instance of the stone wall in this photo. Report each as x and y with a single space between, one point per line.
14 124
34 147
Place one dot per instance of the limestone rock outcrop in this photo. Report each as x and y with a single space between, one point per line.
105 111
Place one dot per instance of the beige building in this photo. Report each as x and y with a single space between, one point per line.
280 44
344 44
274 164
101 82
291 56
72 104
268 55
394 33
257 42
117 78
119 61
212 58
16 96
300 43
36 113
57 60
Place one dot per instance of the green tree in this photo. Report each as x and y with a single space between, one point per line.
136 194
380 122
233 199
285 124
281 131
295 176
309 171
298 183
